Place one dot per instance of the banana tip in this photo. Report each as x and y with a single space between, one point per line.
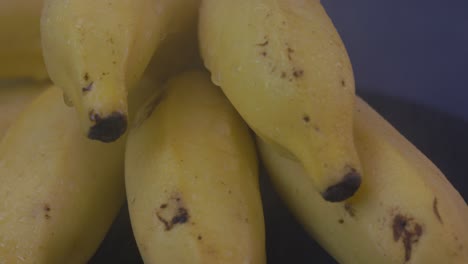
109 128
344 189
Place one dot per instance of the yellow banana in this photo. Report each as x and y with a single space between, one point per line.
59 191
96 51
191 178
14 97
284 67
406 211
20 48
175 54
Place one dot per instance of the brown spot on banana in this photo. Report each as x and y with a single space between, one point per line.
46 209
263 44
344 189
298 73
149 108
408 231
435 209
88 88
350 209
172 213
107 128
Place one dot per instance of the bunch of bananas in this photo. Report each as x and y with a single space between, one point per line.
170 105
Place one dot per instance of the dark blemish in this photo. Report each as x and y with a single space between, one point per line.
150 107
88 88
166 223
181 217
341 221
105 73
114 62
47 211
263 44
264 53
408 230
344 189
436 210
111 40
290 51
172 213
283 22
316 128
133 200
229 191
199 237
109 128
350 209
306 118
86 77
343 83
283 75
298 73
246 220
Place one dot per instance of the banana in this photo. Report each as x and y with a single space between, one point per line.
14 97
20 48
59 191
285 69
97 51
405 212
175 54
191 178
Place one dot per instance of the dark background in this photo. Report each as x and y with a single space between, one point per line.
409 59
415 49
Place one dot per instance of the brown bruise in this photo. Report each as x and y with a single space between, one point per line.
107 128
350 209
88 88
435 209
46 209
408 231
172 213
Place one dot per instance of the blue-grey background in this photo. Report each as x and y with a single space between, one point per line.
415 49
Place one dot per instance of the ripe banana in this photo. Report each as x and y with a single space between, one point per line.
283 66
14 97
191 178
20 48
406 211
59 191
96 51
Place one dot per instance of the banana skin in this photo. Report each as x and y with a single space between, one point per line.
285 69
406 211
97 51
192 178
60 191
15 95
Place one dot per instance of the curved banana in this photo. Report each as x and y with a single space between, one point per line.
14 97
59 191
405 212
20 48
192 179
283 66
96 51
